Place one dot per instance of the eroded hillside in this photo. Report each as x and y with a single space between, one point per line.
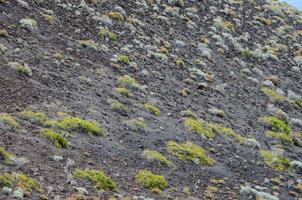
155 99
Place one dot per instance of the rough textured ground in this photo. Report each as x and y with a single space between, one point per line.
215 58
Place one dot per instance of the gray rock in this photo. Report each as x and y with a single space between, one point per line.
7 190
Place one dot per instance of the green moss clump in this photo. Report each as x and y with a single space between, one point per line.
137 124
5 156
19 180
59 140
78 124
34 117
191 152
9 122
272 94
123 91
123 58
298 102
199 126
155 155
118 106
276 124
152 108
151 181
99 179
276 162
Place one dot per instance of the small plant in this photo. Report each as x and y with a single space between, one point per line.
137 124
5 157
274 95
123 91
282 136
104 32
123 59
58 140
18 180
151 181
275 161
99 179
191 152
49 18
34 117
265 21
90 44
78 124
20 68
152 108
116 15
130 83
246 53
9 122
157 156
118 106
276 125
189 114
199 126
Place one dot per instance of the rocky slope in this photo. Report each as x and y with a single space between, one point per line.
155 99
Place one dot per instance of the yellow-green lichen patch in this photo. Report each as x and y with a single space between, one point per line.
98 178
157 156
152 181
152 109
58 140
190 152
8 122
275 161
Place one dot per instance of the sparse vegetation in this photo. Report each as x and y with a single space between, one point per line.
21 68
104 32
191 152
58 140
116 15
9 122
130 83
199 126
157 156
80 125
123 59
123 91
16 180
34 117
99 179
272 94
5 157
151 181
137 124
275 124
152 108
275 161
118 106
